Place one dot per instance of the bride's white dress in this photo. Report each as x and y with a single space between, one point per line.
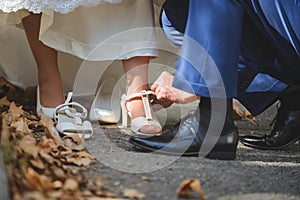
112 30
37 6
91 41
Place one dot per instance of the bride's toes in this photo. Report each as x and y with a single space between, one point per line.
150 129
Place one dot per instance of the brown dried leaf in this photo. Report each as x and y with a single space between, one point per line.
86 162
15 111
237 110
189 185
55 194
79 147
66 152
37 163
57 184
79 161
145 178
50 130
21 126
133 194
242 113
4 101
99 182
47 158
75 138
34 195
69 144
59 173
71 184
81 158
248 115
95 185
103 198
84 154
5 133
37 181
27 145
48 145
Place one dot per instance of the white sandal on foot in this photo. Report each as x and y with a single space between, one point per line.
69 120
49 112
138 122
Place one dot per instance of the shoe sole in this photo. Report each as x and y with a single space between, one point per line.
214 154
271 148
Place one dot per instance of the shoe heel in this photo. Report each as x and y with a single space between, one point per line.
126 120
49 112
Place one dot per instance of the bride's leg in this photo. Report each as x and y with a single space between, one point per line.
136 71
49 80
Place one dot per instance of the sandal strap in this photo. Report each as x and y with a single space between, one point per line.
139 122
144 94
139 94
71 111
69 97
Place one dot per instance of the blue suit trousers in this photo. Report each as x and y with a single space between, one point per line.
264 33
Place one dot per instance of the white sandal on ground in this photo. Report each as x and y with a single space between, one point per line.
69 120
138 122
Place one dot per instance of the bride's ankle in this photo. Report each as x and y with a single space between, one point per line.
50 100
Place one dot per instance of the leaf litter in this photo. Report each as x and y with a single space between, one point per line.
42 165
39 163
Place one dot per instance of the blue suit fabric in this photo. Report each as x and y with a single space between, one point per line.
261 34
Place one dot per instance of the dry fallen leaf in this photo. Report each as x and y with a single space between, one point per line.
188 186
84 154
41 165
27 145
4 101
15 111
50 131
33 196
37 181
75 138
133 194
242 113
21 126
145 178
5 133
70 184
37 163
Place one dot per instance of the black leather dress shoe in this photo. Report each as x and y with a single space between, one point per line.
287 133
187 139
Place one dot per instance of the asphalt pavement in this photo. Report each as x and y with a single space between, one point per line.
254 174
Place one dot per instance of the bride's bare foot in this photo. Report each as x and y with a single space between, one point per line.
166 94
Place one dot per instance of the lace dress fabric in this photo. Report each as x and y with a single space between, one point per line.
60 6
